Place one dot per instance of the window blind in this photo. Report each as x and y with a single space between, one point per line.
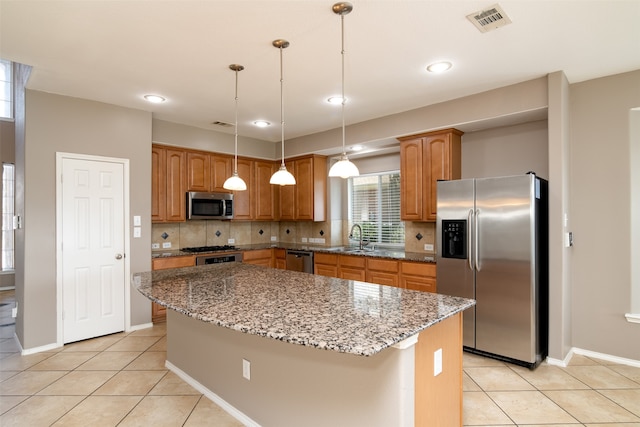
374 204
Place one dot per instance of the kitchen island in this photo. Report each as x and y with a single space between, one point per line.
278 348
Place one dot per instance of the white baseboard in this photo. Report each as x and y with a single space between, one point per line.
633 317
593 354
232 410
140 326
35 350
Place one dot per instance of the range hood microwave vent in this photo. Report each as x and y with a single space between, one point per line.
223 124
489 19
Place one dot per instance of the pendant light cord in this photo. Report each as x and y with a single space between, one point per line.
344 150
282 104
235 166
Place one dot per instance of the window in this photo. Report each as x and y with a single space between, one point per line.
6 93
8 203
374 204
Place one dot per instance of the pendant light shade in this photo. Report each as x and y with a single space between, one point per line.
282 176
343 168
234 182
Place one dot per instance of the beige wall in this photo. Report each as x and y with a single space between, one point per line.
62 124
600 211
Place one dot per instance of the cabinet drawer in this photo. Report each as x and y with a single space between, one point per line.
256 254
385 265
352 261
418 268
172 262
321 258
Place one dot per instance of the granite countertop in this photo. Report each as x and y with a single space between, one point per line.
397 254
326 313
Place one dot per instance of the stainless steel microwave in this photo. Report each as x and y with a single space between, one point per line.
209 205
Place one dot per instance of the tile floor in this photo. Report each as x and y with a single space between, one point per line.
120 380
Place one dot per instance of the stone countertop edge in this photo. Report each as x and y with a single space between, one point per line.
345 316
399 255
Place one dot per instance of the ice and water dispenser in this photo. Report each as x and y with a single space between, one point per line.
454 238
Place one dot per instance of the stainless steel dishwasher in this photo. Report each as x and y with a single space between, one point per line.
300 261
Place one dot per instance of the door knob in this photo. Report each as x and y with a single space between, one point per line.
118 256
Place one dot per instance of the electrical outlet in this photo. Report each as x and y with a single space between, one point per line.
428 247
14 311
231 241
155 246
304 240
246 369
166 245
274 239
437 362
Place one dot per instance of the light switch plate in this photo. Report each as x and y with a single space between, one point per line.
137 232
428 247
166 245
274 239
137 221
231 241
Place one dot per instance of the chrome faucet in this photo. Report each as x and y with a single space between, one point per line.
361 244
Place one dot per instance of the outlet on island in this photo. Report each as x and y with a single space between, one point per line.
246 369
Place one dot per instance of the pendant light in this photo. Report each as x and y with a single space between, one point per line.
282 176
343 167
234 182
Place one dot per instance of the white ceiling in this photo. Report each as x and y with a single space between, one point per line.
117 51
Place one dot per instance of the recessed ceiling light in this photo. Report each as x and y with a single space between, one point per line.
262 123
156 99
439 67
336 100
357 148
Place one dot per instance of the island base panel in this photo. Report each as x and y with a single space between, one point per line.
294 385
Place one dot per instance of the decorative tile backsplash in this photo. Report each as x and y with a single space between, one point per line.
327 233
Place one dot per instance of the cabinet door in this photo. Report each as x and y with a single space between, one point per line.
176 187
198 172
242 207
424 284
442 161
304 189
158 184
418 276
411 179
221 169
287 201
352 267
264 191
280 256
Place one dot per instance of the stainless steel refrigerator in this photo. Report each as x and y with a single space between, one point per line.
492 246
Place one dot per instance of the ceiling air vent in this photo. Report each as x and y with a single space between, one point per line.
223 124
489 19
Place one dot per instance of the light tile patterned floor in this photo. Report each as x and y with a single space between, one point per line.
121 380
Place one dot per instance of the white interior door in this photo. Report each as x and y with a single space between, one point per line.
93 243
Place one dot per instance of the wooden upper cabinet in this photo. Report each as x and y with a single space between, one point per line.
168 184
307 200
198 171
425 159
221 169
242 206
158 184
264 193
411 180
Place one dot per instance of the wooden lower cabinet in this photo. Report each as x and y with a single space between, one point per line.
352 267
263 257
159 312
280 258
382 272
418 276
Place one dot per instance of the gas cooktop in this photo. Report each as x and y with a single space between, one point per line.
209 249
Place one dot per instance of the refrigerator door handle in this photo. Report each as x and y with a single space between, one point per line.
476 230
470 240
